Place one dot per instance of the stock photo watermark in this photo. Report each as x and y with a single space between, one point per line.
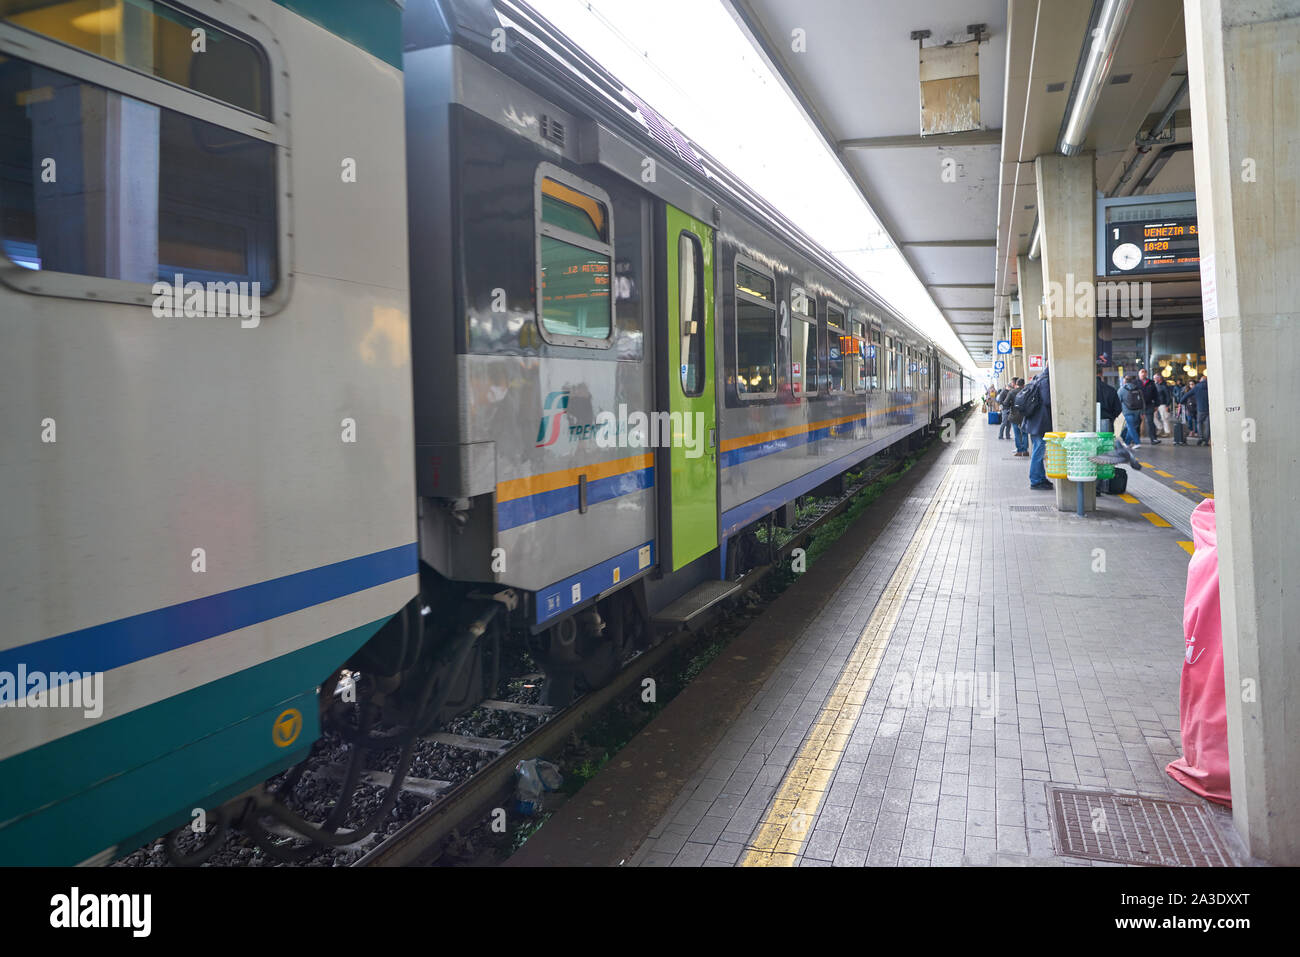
209 300
55 689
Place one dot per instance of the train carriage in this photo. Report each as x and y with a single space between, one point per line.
185 513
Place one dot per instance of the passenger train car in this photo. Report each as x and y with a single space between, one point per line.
342 336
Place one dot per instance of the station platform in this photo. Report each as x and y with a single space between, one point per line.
978 651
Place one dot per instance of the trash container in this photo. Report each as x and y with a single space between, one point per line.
1079 449
1054 461
1105 445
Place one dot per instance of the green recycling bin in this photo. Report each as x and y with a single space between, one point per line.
1105 445
1080 447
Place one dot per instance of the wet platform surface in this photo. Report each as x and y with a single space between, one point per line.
982 650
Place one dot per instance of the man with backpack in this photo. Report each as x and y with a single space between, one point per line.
1150 400
1111 407
1034 402
1005 398
1017 424
1132 403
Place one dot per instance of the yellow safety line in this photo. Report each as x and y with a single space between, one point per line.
1188 547
1126 497
1165 474
1147 465
1185 484
1207 495
1156 520
783 829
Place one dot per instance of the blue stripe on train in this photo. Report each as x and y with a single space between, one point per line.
758 450
750 452
534 508
117 643
737 518
586 585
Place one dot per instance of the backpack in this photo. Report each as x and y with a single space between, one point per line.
1116 485
1133 400
1028 401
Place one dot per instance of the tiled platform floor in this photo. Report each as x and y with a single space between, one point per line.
1055 644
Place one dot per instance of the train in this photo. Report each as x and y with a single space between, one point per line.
349 347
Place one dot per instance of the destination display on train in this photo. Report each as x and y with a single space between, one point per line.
1144 247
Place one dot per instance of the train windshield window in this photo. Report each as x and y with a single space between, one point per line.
855 365
155 39
574 252
755 332
176 194
803 343
690 280
839 348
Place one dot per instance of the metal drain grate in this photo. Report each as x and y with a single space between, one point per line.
1131 829
966 457
1032 508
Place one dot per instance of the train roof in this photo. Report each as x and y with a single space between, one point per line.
541 51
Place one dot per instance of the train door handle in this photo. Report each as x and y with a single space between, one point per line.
713 438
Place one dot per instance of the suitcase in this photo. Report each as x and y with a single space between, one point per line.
995 418
1180 435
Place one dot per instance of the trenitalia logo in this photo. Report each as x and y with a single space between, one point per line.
554 409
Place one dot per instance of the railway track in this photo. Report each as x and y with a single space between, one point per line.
461 806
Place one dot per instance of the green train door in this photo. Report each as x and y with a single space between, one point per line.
693 458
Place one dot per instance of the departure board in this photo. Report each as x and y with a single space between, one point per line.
1144 247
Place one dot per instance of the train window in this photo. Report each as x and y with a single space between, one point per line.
155 39
839 347
574 253
803 343
873 360
150 192
690 280
755 332
855 360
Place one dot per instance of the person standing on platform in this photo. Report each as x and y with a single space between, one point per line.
1036 403
1189 405
1005 398
1164 424
1018 424
1111 409
1201 393
1131 404
1149 397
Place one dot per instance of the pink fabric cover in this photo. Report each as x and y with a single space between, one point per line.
1203 709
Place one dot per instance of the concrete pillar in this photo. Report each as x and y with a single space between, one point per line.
1243 58
1029 274
1066 209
